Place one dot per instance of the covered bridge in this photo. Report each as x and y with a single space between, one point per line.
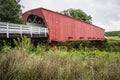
62 28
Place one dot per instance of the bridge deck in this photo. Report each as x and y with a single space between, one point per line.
9 30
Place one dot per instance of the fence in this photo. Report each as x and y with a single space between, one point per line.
9 29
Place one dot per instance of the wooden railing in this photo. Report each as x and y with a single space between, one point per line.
9 28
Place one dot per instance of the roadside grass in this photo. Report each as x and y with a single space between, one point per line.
25 62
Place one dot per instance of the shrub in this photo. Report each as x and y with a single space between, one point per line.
23 43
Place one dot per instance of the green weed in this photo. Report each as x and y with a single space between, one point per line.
25 62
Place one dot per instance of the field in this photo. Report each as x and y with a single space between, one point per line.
114 38
26 62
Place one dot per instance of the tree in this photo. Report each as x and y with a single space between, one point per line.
77 14
10 11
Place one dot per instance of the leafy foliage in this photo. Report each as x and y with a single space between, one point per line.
22 63
24 43
112 33
86 64
10 11
77 14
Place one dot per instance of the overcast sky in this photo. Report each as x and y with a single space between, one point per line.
105 13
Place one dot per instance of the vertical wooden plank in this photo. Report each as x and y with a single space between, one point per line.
31 30
20 30
7 30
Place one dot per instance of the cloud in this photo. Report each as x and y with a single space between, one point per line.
103 2
105 13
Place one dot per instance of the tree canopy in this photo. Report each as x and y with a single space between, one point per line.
10 11
113 33
77 14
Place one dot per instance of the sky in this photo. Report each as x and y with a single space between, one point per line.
105 13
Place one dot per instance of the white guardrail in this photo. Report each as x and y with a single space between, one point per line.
9 28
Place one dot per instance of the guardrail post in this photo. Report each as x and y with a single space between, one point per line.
39 31
20 30
31 30
45 32
7 30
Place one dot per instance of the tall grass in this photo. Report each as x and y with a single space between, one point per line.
24 62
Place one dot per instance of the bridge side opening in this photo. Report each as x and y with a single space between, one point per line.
34 20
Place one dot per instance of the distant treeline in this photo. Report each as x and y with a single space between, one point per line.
113 33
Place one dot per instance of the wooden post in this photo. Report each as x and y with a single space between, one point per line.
31 30
20 30
7 30
39 31
45 32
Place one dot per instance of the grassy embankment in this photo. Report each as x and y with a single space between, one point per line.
24 62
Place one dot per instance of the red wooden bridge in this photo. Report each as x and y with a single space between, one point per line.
52 26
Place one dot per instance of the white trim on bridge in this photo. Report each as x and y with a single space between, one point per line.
10 28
